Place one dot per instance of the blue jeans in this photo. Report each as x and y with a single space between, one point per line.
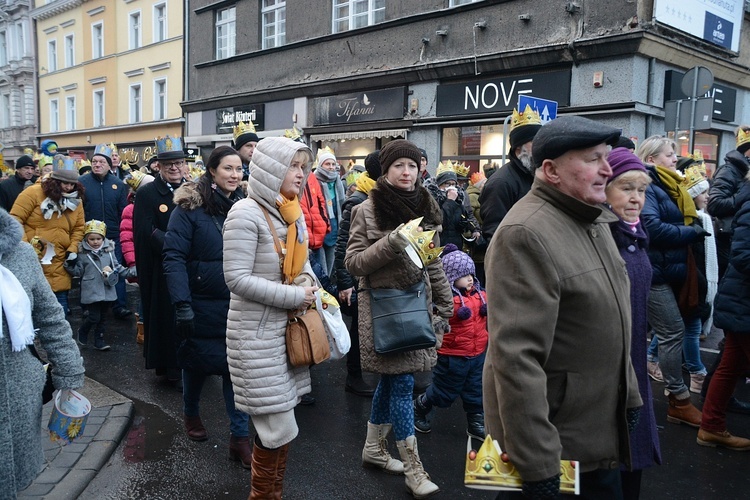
652 354
62 298
392 404
691 346
192 383
664 316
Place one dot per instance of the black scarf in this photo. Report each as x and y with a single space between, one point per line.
393 206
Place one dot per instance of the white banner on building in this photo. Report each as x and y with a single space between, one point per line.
716 21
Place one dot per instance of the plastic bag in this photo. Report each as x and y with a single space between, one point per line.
333 322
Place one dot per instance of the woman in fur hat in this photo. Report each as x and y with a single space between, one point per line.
375 254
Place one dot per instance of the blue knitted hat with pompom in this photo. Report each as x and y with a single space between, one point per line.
456 265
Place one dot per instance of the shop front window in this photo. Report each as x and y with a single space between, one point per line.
475 146
706 142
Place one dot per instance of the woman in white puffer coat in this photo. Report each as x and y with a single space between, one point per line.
263 290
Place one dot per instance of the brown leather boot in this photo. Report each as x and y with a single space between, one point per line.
194 428
267 472
723 439
682 411
240 450
139 332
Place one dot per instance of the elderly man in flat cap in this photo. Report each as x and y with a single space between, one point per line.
558 381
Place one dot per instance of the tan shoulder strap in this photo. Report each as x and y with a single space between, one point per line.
276 242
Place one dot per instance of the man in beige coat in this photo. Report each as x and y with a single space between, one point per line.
558 382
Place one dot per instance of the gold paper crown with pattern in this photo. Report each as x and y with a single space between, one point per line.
134 178
114 148
294 134
95 226
697 156
527 117
243 128
490 469
445 167
421 247
742 137
29 152
694 175
461 170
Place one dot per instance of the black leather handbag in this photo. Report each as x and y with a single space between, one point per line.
400 320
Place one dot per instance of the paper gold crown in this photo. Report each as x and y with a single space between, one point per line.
476 178
697 156
95 226
694 174
462 170
44 160
491 469
29 152
294 134
243 128
444 167
168 144
421 250
114 148
527 117
134 179
742 137
104 150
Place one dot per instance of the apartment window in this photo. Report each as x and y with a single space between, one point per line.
456 3
5 111
225 32
52 55
160 22
353 14
160 99
274 23
21 39
134 23
99 108
54 116
70 51
135 103
3 48
97 40
70 113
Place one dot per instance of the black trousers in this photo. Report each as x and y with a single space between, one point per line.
95 314
600 484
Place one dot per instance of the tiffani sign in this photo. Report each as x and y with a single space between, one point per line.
383 104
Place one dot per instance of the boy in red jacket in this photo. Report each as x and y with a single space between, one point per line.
461 357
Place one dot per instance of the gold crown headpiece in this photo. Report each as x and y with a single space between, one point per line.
527 117
113 147
742 137
697 156
491 469
294 134
445 167
462 170
95 226
243 128
421 249
694 175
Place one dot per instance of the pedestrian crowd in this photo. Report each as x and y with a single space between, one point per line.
552 289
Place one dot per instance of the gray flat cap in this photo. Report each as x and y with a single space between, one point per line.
567 133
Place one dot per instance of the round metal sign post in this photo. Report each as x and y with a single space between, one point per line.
696 82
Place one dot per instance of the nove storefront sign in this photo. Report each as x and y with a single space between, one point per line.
501 94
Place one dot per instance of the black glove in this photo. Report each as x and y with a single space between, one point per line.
633 416
546 488
183 317
700 232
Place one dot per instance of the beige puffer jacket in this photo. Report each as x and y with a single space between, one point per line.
264 383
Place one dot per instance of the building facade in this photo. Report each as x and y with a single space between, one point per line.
109 71
447 73
17 80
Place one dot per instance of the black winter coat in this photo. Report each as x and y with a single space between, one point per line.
151 212
669 236
457 217
732 303
10 188
194 268
725 196
105 200
501 191
344 280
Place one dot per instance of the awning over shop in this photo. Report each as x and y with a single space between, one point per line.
365 134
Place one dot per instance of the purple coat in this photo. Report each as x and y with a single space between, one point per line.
644 442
